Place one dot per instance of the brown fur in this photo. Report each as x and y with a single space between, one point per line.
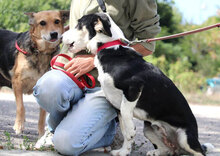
29 68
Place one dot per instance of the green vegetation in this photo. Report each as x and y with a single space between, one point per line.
27 144
12 12
188 61
9 144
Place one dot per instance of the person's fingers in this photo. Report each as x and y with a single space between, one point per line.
72 68
69 64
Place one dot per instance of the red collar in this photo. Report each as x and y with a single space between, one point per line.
112 43
19 49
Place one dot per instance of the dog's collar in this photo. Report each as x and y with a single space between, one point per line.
19 49
36 51
112 43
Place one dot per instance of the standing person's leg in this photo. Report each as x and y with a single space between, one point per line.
89 124
55 92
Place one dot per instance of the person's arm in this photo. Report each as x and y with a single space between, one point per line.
145 24
141 49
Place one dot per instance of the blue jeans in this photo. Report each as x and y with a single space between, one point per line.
80 120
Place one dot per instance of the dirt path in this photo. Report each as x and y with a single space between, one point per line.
208 118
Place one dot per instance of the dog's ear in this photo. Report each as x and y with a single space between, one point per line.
31 17
103 26
98 26
64 15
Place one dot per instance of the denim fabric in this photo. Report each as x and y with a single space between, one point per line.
80 120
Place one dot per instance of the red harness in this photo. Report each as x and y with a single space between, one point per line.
81 82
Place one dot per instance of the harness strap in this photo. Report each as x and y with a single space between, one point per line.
102 5
81 82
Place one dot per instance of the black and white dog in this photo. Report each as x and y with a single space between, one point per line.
136 88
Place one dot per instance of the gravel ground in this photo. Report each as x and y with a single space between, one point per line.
208 118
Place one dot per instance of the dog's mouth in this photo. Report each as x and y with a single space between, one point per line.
53 39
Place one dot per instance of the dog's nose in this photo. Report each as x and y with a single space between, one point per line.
53 35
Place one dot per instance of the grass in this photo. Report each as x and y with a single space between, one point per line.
27 144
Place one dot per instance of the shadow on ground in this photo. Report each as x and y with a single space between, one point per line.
209 130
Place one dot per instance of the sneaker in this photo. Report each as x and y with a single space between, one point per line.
45 141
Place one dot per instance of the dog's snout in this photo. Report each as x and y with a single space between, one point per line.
54 35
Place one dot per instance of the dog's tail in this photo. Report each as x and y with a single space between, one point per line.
208 148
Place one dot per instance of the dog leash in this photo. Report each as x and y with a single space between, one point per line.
181 34
172 36
103 7
81 82
127 43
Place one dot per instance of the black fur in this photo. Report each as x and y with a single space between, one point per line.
90 20
4 82
8 50
160 98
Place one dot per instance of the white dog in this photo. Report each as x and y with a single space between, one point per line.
136 88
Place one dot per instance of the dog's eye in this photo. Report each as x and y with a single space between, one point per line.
57 21
43 23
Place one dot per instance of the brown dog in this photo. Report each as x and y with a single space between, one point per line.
25 57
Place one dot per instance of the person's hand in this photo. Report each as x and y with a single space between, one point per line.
141 49
80 65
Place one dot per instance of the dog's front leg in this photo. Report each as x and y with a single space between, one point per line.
20 110
41 122
127 127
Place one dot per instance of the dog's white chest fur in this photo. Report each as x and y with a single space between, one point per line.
113 94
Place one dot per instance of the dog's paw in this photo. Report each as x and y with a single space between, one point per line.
120 152
18 127
153 153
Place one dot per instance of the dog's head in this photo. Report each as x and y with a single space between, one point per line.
47 25
90 31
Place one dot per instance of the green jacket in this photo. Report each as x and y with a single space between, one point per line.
138 19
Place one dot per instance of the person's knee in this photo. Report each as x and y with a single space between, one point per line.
46 89
65 143
53 91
